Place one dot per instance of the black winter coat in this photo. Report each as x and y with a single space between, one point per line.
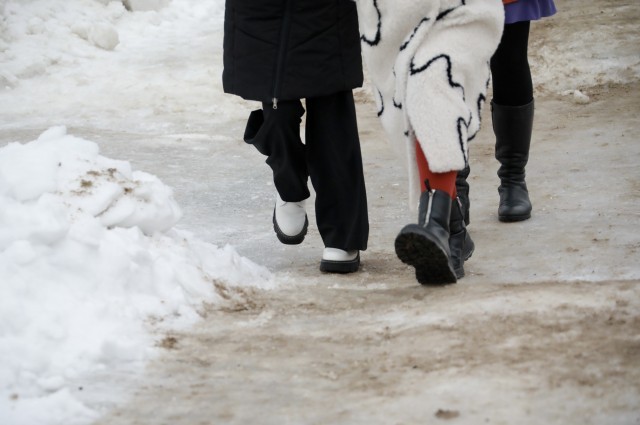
290 49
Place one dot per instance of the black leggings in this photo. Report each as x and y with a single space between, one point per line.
511 75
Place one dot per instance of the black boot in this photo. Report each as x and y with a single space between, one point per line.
425 245
462 187
512 126
460 243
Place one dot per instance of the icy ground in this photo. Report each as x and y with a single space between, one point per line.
545 328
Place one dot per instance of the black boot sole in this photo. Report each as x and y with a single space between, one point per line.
416 247
513 218
328 266
290 240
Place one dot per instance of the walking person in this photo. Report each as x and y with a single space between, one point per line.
279 52
512 109
428 60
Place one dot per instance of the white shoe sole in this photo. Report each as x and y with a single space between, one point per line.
333 266
288 239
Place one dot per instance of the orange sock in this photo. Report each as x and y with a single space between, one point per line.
438 181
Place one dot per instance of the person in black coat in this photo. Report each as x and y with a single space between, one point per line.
278 52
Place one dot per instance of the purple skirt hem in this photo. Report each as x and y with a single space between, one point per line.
528 10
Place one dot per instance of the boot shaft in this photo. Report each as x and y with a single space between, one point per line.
456 218
512 126
461 245
434 209
462 188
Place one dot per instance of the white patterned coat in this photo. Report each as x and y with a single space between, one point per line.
429 63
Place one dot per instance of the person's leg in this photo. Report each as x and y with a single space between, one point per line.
276 134
334 161
437 181
438 245
461 245
510 71
512 113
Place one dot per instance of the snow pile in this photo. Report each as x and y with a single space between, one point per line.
104 36
88 255
80 61
39 34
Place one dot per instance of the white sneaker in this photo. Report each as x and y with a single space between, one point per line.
336 260
290 221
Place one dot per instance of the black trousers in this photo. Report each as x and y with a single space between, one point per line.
331 157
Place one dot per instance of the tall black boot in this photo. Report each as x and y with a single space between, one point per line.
460 243
425 245
512 126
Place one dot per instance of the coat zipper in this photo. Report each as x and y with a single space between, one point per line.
284 35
